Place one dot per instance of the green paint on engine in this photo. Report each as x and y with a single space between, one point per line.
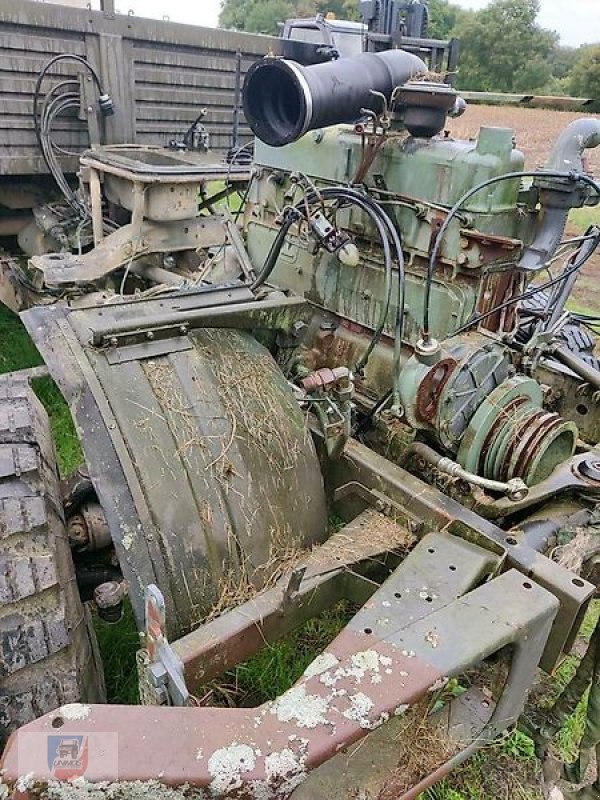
416 180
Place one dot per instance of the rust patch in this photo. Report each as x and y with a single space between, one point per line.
431 387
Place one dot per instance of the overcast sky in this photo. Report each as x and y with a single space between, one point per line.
577 21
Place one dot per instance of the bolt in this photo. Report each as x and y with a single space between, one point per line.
327 326
114 341
150 335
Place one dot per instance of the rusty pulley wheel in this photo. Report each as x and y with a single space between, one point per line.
512 436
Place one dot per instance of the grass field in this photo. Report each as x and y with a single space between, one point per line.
506 771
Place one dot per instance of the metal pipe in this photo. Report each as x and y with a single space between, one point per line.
580 135
157 274
515 489
558 198
571 360
284 100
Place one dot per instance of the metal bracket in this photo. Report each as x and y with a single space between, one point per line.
293 587
378 500
165 669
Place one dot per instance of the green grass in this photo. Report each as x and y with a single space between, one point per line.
17 351
582 218
509 768
278 666
585 299
118 645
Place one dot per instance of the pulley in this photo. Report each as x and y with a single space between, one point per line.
512 436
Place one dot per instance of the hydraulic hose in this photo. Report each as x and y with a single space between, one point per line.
399 323
515 489
46 68
284 100
271 260
387 232
357 197
566 176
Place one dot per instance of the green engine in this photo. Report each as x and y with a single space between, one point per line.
437 271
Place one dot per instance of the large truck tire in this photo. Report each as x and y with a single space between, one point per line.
579 339
48 650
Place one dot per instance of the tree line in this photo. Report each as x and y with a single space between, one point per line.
503 48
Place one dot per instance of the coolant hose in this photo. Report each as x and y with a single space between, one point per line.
284 100
566 156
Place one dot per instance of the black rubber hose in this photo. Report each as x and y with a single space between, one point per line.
271 259
577 265
55 108
359 198
386 231
571 176
284 100
44 71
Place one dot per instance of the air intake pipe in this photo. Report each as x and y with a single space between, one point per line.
284 100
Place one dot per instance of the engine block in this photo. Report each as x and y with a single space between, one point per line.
467 369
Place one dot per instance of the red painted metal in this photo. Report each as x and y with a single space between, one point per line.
239 752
